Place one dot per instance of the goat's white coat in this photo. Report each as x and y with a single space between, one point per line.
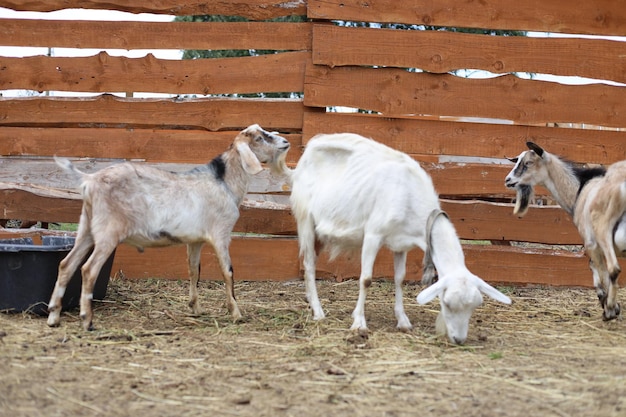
352 193
598 211
148 207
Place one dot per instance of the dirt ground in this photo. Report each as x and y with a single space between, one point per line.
548 354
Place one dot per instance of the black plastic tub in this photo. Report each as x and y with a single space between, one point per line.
28 273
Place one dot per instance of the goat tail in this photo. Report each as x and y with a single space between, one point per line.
67 165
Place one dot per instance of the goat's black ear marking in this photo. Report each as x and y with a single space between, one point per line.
514 160
536 148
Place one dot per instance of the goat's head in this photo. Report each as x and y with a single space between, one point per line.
458 296
529 170
257 146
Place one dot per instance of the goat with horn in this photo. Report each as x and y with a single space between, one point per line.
594 197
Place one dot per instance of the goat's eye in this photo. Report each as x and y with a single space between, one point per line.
259 138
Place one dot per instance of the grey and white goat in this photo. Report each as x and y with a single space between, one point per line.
351 193
149 207
595 197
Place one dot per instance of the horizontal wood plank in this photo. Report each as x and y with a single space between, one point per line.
497 264
155 35
396 92
40 191
151 145
256 216
600 17
442 52
107 110
481 140
254 9
281 72
277 259
257 258
474 220
450 179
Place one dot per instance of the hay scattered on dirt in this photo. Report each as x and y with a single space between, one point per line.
548 354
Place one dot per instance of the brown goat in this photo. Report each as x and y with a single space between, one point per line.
595 197
149 207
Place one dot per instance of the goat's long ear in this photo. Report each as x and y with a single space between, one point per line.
536 148
490 291
250 162
430 293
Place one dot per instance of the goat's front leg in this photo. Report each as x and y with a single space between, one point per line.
67 267
371 245
194 251
598 267
223 258
612 308
399 267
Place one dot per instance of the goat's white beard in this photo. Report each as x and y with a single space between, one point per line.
278 166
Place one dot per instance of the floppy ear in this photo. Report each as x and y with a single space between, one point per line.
430 293
490 291
535 148
250 162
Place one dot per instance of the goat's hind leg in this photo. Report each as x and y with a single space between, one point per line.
306 240
90 270
371 245
612 308
223 257
67 267
606 248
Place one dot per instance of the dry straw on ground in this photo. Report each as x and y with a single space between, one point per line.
548 354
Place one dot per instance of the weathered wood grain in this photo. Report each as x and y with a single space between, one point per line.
38 190
253 9
258 217
151 145
282 36
492 263
422 137
107 110
442 52
279 261
396 92
599 17
282 72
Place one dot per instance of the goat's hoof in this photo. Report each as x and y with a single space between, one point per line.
88 325
236 316
360 331
612 314
54 320
405 329
318 314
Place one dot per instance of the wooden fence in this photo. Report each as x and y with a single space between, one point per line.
425 113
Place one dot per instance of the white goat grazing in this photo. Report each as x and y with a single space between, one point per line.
595 197
351 193
149 207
